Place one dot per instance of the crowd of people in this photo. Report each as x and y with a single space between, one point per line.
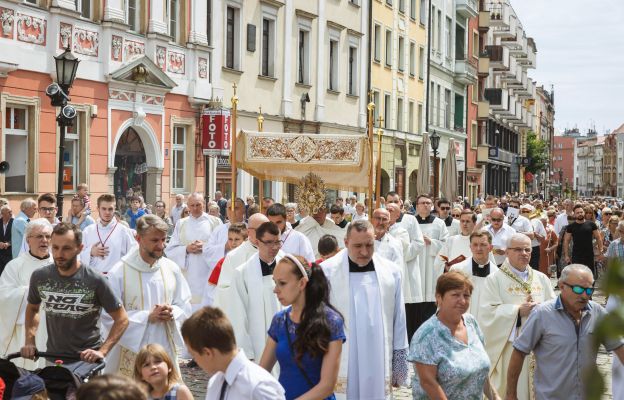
274 301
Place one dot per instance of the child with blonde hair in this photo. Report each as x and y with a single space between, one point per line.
153 367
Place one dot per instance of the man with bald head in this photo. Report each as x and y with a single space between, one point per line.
317 225
235 258
508 297
386 245
186 246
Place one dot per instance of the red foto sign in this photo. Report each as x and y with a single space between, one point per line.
216 132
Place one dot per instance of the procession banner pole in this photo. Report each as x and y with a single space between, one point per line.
371 108
260 181
378 178
233 145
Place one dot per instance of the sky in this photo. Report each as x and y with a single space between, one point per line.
580 50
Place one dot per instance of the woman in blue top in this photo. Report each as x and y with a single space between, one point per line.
306 338
448 349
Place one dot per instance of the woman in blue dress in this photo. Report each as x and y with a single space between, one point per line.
306 338
448 349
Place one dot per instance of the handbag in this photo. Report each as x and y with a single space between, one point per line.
292 351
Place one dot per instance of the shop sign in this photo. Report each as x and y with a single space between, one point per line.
216 132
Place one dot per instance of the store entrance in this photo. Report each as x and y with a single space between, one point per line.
131 173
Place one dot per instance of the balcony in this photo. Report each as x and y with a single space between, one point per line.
527 90
484 20
518 80
498 99
465 72
508 113
499 57
483 69
467 8
529 58
517 47
483 153
511 74
483 110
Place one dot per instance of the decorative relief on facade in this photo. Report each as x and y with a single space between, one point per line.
31 29
116 44
7 20
86 42
161 57
122 95
202 68
65 36
176 63
133 49
152 99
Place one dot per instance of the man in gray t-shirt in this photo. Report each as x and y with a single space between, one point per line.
72 296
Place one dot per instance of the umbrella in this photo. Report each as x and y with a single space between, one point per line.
423 179
448 187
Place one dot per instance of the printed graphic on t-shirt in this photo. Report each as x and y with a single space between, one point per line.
70 301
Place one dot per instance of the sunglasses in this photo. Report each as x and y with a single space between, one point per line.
580 289
456 215
445 208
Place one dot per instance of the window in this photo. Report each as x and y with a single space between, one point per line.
399 124
174 20
410 117
475 93
413 9
377 51
402 6
303 57
333 65
352 78
448 34
377 106
423 12
388 47
209 21
268 48
439 32
178 158
420 119
389 2
16 148
232 38
412 59
71 160
421 60
133 15
84 7
401 54
475 44
387 111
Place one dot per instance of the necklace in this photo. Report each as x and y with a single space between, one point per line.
97 229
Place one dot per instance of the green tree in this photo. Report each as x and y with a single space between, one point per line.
537 150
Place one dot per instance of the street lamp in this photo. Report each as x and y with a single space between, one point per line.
435 143
58 92
561 183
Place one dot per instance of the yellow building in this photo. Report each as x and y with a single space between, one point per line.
398 73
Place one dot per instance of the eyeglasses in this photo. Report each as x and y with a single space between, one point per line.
521 249
497 219
271 243
47 209
456 215
445 208
41 237
580 289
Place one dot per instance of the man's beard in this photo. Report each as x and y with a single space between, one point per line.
154 256
68 265
580 218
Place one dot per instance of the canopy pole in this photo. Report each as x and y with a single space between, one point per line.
378 180
260 181
371 108
233 143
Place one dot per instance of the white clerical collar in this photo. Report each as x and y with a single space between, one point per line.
111 224
524 275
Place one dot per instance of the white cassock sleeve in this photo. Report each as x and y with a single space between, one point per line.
176 251
436 244
238 317
417 243
400 342
305 247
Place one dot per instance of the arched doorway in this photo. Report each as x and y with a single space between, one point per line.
412 185
131 163
385 182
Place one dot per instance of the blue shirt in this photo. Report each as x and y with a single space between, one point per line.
291 378
462 368
133 217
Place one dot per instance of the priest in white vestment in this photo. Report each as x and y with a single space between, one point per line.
293 242
367 290
216 246
478 266
414 247
237 257
508 297
253 303
186 246
386 245
154 294
106 241
14 284
316 225
434 234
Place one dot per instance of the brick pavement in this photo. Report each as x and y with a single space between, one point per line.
196 379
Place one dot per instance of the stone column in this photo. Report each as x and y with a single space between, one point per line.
154 184
110 172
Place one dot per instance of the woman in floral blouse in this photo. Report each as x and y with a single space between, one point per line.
448 351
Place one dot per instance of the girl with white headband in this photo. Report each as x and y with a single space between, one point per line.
306 338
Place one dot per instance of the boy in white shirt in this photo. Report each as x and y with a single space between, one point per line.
209 337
